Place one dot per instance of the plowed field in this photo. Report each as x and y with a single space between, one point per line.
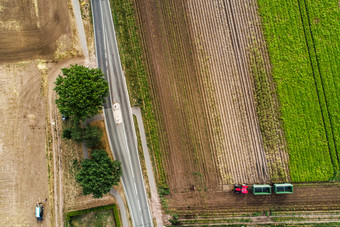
202 57
199 59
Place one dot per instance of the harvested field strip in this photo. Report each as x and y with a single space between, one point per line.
199 66
303 123
208 69
135 70
323 21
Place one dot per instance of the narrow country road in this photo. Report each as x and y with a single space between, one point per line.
122 137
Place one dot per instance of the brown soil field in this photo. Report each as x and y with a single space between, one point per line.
34 37
199 61
33 29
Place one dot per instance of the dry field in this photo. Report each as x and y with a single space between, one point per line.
34 36
199 56
33 29
23 162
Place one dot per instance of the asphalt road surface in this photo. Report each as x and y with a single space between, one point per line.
122 137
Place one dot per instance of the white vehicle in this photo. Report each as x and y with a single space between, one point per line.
117 113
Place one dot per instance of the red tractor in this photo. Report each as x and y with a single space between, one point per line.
241 189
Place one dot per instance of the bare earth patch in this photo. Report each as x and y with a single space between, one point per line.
34 37
23 164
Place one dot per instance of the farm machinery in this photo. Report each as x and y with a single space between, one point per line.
241 189
39 210
264 189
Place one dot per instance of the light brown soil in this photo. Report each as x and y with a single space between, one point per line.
33 29
23 173
30 30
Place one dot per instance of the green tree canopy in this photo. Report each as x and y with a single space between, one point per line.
81 92
98 174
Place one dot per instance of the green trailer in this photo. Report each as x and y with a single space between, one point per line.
262 189
283 188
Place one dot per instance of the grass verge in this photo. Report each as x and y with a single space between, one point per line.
112 207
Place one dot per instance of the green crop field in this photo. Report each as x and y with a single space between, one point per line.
324 21
303 42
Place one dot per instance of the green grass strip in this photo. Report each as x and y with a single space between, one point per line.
292 71
134 65
71 214
116 215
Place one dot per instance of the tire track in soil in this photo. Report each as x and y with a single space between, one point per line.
202 78
213 71
238 42
203 93
192 112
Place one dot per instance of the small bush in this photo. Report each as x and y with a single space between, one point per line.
163 191
67 133
92 136
77 134
174 219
